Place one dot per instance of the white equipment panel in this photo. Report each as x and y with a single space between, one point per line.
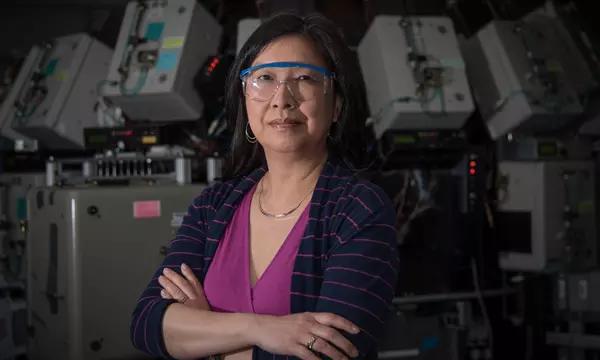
86 244
518 80
546 215
414 74
11 139
161 46
579 57
578 71
54 96
245 29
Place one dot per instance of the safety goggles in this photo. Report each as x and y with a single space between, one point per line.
306 83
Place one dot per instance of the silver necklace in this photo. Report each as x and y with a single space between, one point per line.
277 216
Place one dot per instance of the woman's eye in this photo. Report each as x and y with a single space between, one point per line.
306 77
264 77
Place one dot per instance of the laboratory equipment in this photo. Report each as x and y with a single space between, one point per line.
414 74
161 47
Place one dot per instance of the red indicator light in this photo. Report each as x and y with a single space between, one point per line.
123 133
472 164
472 171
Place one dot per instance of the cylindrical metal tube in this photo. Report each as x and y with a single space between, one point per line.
183 171
50 172
87 169
214 169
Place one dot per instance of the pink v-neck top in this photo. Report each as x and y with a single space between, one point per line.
227 284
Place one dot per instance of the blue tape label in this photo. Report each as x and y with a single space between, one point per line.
49 70
21 209
154 31
167 60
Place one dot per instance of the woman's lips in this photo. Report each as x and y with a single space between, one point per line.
285 124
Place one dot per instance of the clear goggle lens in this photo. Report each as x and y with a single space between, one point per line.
304 81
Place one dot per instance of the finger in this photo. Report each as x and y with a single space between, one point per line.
191 277
326 348
168 287
303 353
173 290
165 295
181 282
336 321
200 296
330 335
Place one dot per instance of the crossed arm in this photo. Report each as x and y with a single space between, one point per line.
226 333
356 292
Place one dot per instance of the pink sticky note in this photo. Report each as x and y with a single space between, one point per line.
146 209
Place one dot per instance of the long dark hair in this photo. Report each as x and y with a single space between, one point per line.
347 140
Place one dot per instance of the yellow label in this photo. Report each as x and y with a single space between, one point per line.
61 75
172 42
585 207
149 140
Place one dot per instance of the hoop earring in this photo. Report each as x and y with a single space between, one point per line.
251 139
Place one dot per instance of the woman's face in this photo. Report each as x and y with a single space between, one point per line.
287 122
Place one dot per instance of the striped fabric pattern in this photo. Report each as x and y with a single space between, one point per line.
346 264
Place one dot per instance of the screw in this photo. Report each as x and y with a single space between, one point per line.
96 345
92 210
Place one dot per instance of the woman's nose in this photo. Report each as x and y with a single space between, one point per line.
283 97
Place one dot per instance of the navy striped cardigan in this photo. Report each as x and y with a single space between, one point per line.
346 263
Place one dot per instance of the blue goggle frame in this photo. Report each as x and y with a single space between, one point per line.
287 64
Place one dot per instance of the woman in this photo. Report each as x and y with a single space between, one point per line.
293 256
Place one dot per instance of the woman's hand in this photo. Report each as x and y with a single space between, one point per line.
185 289
285 335
294 334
